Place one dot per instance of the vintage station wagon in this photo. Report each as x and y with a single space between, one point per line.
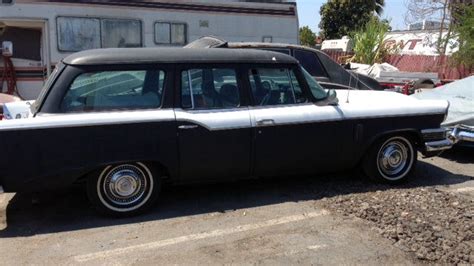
125 121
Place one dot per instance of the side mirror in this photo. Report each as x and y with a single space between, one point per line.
331 98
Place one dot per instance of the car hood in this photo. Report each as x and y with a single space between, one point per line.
357 103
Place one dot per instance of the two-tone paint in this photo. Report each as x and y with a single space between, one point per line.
55 149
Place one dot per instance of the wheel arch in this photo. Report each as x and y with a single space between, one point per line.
155 165
411 133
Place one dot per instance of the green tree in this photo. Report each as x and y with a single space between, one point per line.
369 42
464 29
341 17
307 36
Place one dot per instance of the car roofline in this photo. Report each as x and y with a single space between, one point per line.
110 56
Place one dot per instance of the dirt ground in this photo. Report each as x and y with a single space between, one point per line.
272 221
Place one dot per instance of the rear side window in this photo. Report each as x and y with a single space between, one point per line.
112 90
212 88
275 86
310 62
278 50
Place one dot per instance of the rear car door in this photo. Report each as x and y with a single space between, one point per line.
107 114
214 129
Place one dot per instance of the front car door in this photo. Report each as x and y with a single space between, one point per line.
293 134
214 129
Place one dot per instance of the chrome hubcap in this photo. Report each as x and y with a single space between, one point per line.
125 185
393 157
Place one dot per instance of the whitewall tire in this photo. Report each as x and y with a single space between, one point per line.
123 189
391 159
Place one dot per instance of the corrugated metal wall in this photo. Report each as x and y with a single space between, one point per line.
443 65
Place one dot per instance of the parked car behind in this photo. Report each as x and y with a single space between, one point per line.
326 71
4 99
460 118
126 121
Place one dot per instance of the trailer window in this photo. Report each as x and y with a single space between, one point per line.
170 33
76 34
178 33
121 33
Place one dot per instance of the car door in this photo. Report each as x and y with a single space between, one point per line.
214 129
293 135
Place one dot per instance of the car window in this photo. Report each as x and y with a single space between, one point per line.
209 88
274 86
109 90
318 92
310 62
278 50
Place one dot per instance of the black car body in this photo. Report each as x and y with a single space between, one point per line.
324 69
127 120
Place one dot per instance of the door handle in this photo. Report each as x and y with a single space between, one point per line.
187 126
265 122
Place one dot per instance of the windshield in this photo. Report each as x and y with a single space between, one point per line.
318 92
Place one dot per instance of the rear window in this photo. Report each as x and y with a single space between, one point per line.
112 90
310 62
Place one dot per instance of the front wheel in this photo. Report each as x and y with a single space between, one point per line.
123 189
391 160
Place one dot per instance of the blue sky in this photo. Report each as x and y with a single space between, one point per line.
308 12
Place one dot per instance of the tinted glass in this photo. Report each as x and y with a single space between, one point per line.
278 50
76 34
310 62
110 90
121 33
209 89
274 86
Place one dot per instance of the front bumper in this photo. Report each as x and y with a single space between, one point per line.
436 140
462 133
438 145
440 139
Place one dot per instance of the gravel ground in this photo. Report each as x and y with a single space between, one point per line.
435 225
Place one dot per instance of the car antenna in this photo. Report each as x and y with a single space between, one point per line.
349 91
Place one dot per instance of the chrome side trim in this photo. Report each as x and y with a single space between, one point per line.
88 119
187 126
433 130
217 119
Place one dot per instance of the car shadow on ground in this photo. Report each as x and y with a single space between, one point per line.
459 154
70 210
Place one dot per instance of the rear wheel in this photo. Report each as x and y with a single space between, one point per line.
391 160
124 189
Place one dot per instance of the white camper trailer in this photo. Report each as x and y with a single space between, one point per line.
45 31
